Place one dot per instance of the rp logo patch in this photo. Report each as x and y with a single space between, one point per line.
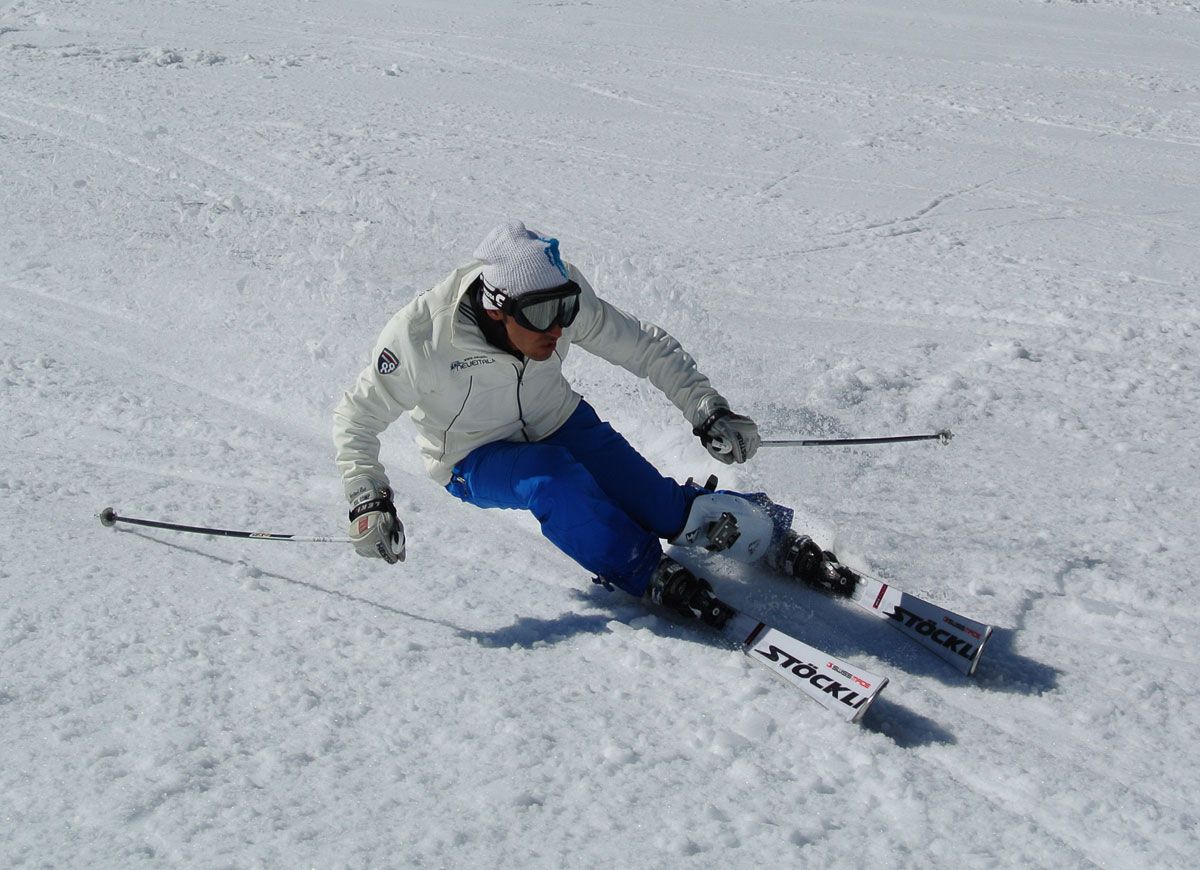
387 362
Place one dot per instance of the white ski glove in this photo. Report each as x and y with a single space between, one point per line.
375 530
729 437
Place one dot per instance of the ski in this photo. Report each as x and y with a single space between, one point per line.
952 637
838 686
727 524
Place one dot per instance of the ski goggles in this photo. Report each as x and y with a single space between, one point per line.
541 310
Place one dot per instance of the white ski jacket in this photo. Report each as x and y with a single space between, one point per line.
461 392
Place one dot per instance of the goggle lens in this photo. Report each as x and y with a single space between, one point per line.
543 314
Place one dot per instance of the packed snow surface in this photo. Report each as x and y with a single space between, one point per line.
863 218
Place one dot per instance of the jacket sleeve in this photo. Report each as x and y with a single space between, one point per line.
376 400
645 350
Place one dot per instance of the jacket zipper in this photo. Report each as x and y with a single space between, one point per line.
520 410
446 434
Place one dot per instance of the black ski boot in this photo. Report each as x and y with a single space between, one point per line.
799 556
676 588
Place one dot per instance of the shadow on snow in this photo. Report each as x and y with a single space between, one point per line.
810 615
316 587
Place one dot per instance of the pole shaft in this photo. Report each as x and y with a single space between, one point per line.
943 436
228 533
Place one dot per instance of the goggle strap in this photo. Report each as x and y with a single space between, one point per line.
494 294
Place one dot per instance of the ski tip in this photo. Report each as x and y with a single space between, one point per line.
108 517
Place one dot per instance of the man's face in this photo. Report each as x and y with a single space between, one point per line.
535 345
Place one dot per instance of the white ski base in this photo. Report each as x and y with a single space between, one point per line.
954 638
836 685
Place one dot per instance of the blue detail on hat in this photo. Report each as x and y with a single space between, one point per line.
551 251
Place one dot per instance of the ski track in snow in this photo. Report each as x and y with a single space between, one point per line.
861 218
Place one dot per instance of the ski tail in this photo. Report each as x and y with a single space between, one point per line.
836 685
957 639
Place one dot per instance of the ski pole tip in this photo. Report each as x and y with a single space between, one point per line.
944 436
108 517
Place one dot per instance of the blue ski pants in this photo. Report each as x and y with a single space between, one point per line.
597 499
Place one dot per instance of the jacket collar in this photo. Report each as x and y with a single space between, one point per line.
465 334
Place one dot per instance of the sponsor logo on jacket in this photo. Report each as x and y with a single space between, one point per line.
387 362
470 362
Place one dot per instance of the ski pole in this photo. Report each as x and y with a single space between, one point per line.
943 437
109 518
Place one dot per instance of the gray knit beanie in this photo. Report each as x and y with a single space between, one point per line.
517 260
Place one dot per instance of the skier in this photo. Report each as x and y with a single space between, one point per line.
477 363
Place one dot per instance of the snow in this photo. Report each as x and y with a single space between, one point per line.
863 218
